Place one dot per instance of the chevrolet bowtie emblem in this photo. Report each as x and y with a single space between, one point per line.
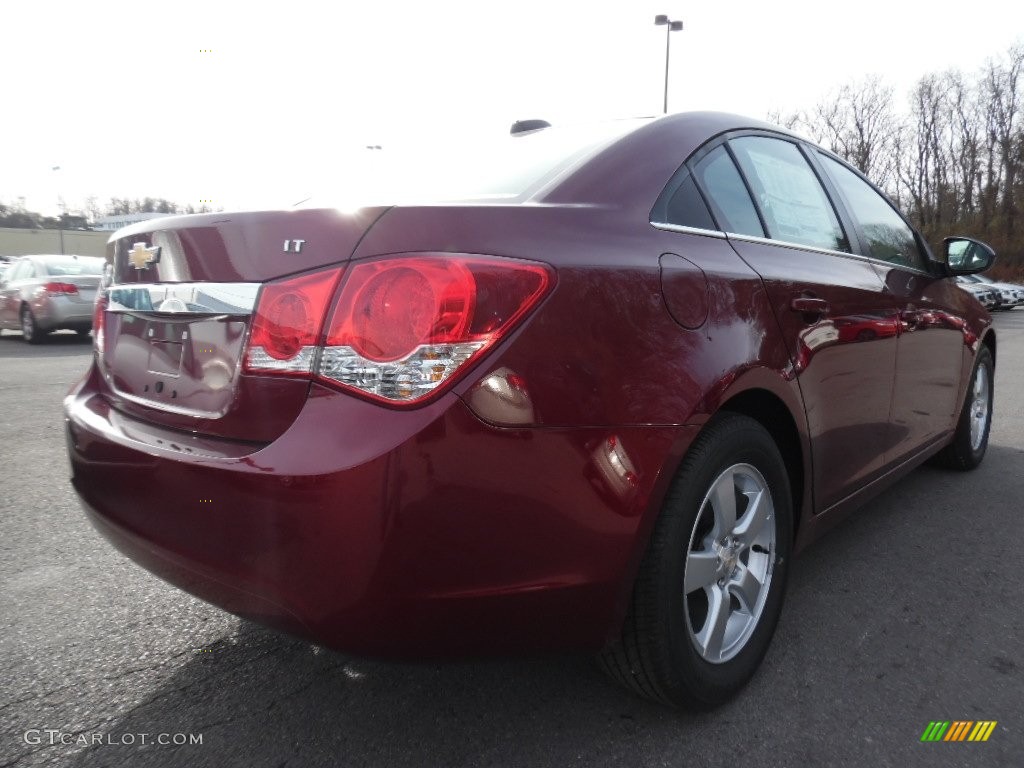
141 257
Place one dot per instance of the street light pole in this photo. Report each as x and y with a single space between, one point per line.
670 26
60 219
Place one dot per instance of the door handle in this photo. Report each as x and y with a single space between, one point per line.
809 305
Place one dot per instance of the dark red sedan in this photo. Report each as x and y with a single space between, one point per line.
596 403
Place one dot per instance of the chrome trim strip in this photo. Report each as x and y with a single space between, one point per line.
185 299
787 244
688 230
829 252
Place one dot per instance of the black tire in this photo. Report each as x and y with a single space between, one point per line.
961 454
30 330
656 656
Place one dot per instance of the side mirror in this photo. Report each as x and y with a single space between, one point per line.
965 255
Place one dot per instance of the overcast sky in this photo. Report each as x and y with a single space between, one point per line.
122 97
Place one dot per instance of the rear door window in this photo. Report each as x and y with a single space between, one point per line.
686 208
718 177
795 206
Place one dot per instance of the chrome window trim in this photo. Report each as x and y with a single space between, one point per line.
788 244
183 299
783 244
689 230
827 251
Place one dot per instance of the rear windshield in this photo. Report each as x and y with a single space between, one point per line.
502 167
70 267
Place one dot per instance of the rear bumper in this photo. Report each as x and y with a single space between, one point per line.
61 312
384 533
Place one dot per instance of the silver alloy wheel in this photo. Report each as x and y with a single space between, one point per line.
729 563
28 326
979 407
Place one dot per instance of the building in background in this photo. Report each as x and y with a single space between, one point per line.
110 223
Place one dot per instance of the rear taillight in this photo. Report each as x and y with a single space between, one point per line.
286 325
405 326
99 316
61 289
402 327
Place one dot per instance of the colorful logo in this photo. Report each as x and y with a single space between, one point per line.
958 730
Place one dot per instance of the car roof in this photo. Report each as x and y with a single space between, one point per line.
633 170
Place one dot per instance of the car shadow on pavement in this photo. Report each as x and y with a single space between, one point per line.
59 344
262 698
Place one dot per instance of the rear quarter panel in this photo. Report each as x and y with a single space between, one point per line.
603 351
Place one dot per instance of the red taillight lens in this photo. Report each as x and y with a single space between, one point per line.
403 326
61 289
99 317
389 308
287 322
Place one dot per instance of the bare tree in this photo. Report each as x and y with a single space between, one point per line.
791 121
858 123
924 165
954 159
965 143
1001 84
92 209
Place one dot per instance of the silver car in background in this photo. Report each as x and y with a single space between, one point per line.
988 297
39 294
1010 294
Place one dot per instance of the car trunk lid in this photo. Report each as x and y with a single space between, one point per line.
180 304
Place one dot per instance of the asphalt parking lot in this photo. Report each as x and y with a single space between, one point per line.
909 612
